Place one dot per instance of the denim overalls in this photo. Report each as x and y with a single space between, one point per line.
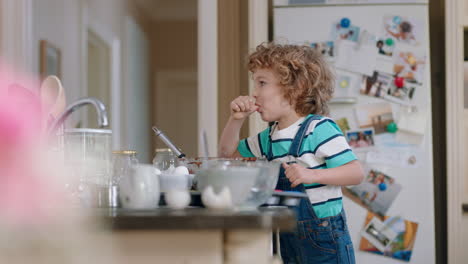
316 240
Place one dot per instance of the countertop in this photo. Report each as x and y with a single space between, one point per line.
196 218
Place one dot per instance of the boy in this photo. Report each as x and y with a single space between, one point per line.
292 87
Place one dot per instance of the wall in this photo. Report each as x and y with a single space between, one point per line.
175 45
137 108
455 19
174 80
58 22
62 23
233 41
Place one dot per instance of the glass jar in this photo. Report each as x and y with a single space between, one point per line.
122 161
87 155
164 159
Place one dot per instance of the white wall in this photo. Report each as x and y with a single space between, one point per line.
137 103
62 23
207 74
16 33
58 22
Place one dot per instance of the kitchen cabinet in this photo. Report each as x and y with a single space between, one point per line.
195 235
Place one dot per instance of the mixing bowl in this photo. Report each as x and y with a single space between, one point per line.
250 183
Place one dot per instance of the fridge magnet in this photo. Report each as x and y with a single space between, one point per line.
392 127
339 32
376 193
401 246
409 64
343 124
402 29
376 85
327 48
360 139
376 115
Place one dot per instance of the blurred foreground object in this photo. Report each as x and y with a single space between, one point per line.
36 223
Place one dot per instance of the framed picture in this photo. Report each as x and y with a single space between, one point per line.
50 60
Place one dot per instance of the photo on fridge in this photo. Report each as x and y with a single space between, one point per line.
376 85
341 33
402 29
360 139
378 234
376 193
385 47
375 115
409 64
402 95
401 247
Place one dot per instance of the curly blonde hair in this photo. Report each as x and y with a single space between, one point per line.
305 77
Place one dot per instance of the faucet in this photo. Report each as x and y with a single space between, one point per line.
100 109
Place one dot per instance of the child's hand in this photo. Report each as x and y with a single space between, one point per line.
298 174
242 107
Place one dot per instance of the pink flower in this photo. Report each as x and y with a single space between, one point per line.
25 188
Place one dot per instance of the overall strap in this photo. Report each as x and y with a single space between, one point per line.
269 152
301 133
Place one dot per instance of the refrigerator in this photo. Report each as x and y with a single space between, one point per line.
379 51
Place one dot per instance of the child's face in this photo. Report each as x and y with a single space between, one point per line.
269 97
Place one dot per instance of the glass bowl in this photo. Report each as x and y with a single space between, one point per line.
250 183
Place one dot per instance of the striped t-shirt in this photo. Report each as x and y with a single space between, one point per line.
324 146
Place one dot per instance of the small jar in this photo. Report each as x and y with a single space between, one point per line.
164 159
122 161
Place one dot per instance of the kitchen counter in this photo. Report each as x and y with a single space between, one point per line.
195 235
199 219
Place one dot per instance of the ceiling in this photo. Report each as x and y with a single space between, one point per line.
172 10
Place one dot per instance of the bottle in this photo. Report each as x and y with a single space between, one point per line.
164 159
